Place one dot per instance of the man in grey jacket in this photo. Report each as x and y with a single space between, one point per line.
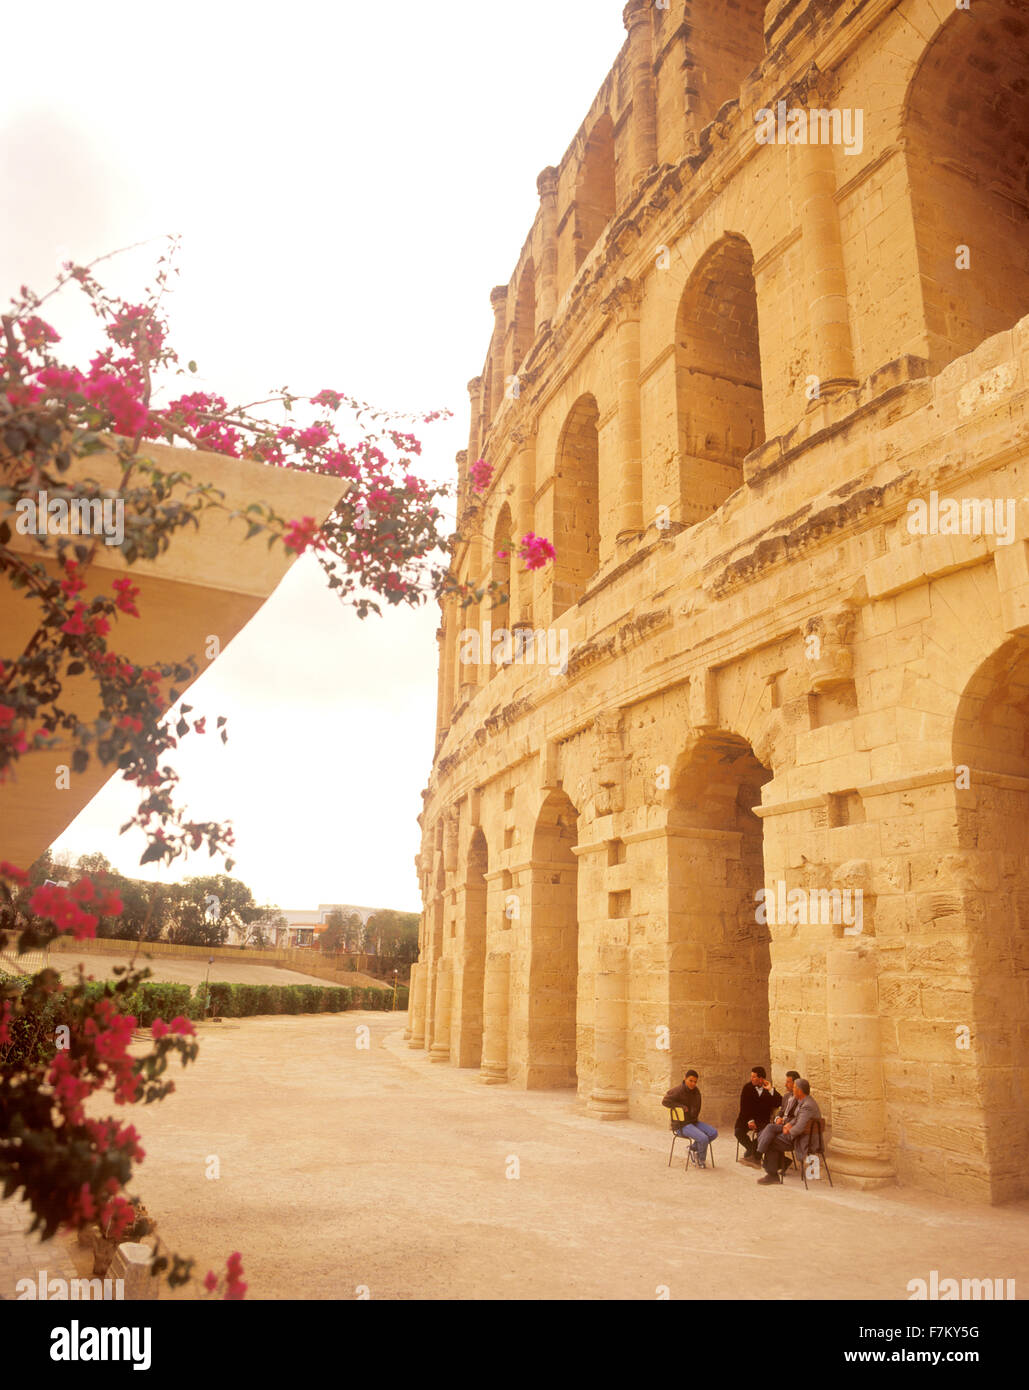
795 1134
774 1129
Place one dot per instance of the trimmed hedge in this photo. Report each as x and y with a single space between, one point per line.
243 1001
33 1036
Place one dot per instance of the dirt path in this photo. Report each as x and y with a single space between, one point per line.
345 1168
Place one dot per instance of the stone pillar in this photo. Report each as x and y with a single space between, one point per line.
440 1050
463 482
637 19
416 1006
498 299
495 1011
832 357
442 709
609 1098
451 626
524 522
623 305
546 186
858 1150
475 426
434 943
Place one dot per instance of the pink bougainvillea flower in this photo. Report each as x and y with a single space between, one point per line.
536 551
127 594
480 473
302 535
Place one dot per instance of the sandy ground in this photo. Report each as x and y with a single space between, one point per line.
345 1169
172 970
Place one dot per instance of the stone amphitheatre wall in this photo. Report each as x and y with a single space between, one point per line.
728 378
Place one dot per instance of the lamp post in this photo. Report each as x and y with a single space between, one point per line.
210 962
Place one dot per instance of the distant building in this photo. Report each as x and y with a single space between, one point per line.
305 926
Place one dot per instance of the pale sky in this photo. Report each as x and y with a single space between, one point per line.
350 181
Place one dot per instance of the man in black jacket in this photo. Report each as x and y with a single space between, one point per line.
688 1096
758 1103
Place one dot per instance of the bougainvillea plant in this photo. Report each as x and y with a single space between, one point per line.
65 1044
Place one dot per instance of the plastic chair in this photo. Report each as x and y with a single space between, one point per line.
816 1146
677 1122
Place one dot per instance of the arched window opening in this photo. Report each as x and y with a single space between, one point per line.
525 315
576 505
726 43
718 377
967 146
595 188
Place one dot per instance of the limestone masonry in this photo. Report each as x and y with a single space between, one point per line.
743 776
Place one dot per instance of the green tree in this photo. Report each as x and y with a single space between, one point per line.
344 931
394 933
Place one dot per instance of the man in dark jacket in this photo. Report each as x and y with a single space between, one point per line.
758 1102
688 1096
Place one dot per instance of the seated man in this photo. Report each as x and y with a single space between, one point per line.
758 1103
688 1096
796 1133
789 1105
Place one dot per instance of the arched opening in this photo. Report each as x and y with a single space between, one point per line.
991 755
966 129
726 43
718 377
500 574
554 947
467 1047
595 188
525 315
576 505
719 957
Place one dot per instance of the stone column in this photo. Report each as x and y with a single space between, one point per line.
637 19
524 522
609 1098
623 306
451 627
546 186
858 1150
440 1050
416 1006
475 427
498 299
495 1011
832 357
442 709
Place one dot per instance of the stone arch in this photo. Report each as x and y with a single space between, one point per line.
991 741
468 1014
554 947
966 133
719 950
525 314
595 188
576 504
719 399
726 43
